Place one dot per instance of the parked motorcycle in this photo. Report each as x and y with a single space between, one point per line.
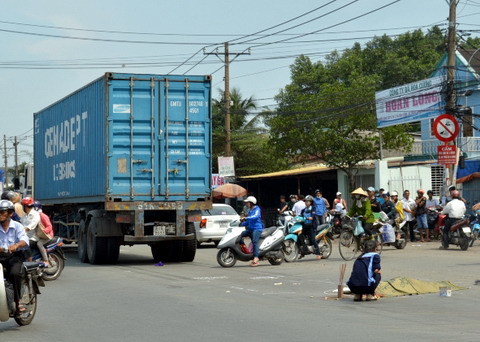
56 258
285 218
459 233
475 227
270 246
293 249
30 288
337 222
433 217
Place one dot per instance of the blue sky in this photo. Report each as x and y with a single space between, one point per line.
67 64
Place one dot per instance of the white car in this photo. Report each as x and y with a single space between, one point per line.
215 222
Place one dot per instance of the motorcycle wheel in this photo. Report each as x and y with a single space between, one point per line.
473 237
464 242
56 267
226 257
325 248
26 317
278 260
347 245
400 244
379 240
290 250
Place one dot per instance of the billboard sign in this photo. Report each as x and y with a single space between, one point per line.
410 102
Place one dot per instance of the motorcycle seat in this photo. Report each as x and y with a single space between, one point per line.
32 265
52 241
267 231
462 223
322 227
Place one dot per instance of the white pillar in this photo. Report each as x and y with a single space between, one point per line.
381 174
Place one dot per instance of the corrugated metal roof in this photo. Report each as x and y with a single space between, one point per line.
286 173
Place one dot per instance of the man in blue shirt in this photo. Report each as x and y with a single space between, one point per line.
254 226
13 239
321 205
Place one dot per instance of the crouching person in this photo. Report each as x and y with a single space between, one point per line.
365 275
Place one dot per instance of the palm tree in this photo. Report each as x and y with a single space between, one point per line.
239 109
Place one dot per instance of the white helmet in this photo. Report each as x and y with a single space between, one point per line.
251 199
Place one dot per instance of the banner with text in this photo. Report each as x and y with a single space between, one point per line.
217 180
226 167
410 102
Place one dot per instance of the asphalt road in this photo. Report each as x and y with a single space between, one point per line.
201 301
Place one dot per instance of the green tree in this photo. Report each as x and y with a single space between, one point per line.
249 136
328 109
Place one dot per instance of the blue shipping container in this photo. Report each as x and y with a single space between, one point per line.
126 137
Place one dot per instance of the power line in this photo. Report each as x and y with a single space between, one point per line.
103 39
331 26
199 34
283 23
303 23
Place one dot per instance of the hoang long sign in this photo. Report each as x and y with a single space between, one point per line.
410 102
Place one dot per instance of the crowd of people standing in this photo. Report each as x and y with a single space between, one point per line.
411 209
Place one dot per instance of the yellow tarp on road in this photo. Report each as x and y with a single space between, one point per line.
403 286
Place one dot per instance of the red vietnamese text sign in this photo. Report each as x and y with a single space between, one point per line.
447 154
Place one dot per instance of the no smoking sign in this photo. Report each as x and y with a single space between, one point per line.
445 127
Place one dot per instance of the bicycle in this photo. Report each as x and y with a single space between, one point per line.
350 245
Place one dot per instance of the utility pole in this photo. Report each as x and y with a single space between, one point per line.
5 158
15 144
226 61
228 131
451 51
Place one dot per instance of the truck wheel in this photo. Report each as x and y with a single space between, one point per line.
113 249
160 251
189 246
96 246
82 242
176 251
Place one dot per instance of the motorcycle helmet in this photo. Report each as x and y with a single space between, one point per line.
6 205
251 199
27 201
308 198
37 205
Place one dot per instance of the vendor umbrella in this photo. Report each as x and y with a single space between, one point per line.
229 190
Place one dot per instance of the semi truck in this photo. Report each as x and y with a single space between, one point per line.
126 160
